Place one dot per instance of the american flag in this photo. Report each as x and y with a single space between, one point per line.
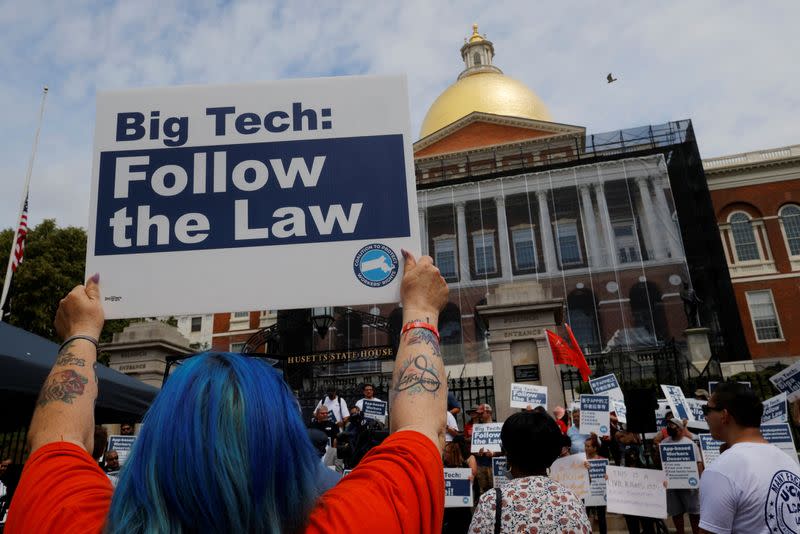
19 248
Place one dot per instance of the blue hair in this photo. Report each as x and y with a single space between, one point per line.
222 449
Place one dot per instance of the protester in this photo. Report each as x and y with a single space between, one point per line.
111 467
701 394
335 405
451 427
574 433
484 480
562 418
453 405
369 394
632 457
100 443
531 501
223 448
683 501
322 421
592 448
753 487
474 417
126 429
326 478
456 520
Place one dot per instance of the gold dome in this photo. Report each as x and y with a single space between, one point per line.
488 92
475 37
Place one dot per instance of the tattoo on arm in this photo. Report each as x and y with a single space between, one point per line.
418 375
419 336
68 358
62 386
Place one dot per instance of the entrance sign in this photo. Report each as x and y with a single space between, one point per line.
680 465
709 447
597 483
300 193
499 470
776 410
457 487
375 409
677 402
524 395
780 435
123 446
788 381
607 384
635 491
698 419
571 472
486 436
595 415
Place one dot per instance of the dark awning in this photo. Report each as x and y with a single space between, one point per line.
25 362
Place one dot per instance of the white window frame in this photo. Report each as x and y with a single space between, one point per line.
483 237
794 259
774 311
238 346
629 223
568 223
191 324
443 244
737 267
756 236
526 233
239 321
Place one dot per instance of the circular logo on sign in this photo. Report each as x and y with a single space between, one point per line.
603 429
375 265
783 511
466 500
692 481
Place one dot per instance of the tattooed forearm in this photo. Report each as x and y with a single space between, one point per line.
418 375
68 358
419 336
62 386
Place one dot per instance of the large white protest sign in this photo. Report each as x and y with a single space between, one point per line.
788 381
375 409
677 402
679 461
709 447
571 472
499 471
634 491
595 415
698 419
457 487
486 436
299 193
122 445
607 385
780 435
597 483
524 395
776 410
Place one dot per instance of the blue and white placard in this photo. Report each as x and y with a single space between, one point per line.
597 483
499 471
788 381
780 435
698 419
709 448
288 194
524 395
486 436
608 385
776 410
595 415
457 487
679 461
123 446
374 409
677 402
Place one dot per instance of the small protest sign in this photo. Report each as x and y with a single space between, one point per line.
634 491
274 184
123 446
677 402
595 415
571 472
486 436
679 462
780 435
608 385
597 483
709 447
457 487
524 395
619 408
788 381
698 419
499 471
776 410
374 409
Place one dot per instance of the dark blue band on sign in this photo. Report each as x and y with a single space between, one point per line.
246 195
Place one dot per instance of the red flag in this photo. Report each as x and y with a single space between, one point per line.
22 232
568 353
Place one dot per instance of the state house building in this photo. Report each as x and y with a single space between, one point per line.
614 224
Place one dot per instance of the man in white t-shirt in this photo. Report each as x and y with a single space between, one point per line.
451 430
753 487
683 501
336 406
369 394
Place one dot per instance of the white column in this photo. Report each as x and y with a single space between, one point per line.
502 236
591 226
673 234
605 223
463 244
548 248
423 230
656 242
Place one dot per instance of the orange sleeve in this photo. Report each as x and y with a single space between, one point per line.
397 487
62 489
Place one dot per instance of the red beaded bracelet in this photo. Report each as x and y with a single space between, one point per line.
420 324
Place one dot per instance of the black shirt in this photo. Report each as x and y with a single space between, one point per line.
327 426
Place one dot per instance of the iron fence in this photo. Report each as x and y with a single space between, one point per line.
471 391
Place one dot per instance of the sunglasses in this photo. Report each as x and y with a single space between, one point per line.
708 409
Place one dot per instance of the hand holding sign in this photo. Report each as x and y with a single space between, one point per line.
423 290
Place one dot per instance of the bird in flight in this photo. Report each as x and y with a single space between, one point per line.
610 78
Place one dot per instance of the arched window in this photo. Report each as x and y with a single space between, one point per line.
476 58
582 317
790 217
744 238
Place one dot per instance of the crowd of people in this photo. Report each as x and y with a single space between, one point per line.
224 448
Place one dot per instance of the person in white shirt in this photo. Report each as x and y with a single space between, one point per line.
336 406
452 428
369 394
753 487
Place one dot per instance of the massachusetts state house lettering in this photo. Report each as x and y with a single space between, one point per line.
358 355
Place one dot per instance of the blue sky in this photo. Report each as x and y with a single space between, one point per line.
727 65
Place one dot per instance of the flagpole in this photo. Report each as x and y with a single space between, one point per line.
7 280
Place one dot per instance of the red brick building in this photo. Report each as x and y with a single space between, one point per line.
756 196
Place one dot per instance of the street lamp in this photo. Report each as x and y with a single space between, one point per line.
322 319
